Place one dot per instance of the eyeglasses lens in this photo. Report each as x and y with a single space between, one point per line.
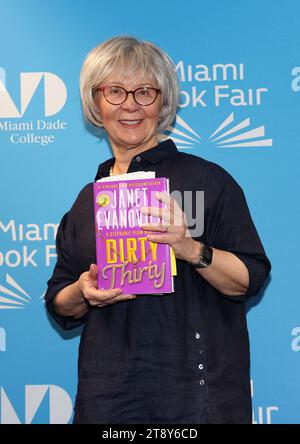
117 95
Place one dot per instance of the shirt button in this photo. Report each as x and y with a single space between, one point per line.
138 158
200 366
201 382
200 351
197 335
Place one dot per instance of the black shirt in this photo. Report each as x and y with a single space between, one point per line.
176 358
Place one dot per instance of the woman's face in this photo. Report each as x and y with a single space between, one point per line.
129 125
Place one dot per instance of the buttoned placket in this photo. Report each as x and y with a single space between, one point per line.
200 365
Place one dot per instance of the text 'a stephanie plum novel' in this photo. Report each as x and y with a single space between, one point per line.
126 259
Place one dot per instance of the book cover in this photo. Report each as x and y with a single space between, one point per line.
125 257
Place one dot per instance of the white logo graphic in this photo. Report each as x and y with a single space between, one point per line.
2 340
60 405
10 298
185 139
196 94
14 296
296 81
55 93
224 136
262 414
2 76
243 139
296 340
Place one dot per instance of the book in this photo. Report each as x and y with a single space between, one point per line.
126 259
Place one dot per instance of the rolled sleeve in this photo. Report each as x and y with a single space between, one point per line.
232 229
259 268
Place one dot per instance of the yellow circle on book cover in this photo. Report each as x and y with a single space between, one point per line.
102 200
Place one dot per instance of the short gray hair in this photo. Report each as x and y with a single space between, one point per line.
129 56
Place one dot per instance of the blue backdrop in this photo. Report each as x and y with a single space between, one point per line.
239 67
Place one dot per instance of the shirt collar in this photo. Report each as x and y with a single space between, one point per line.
157 154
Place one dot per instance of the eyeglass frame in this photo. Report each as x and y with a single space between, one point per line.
102 88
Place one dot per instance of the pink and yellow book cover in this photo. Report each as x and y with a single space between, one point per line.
125 257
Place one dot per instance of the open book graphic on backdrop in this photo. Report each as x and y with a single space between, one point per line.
125 257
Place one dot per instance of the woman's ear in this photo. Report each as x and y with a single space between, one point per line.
97 108
95 96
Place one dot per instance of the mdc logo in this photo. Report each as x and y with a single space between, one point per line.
55 93
57 402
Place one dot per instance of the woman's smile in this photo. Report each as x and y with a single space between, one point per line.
131 124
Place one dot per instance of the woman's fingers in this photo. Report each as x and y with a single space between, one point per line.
149 227
172 214
105 297
120 298
95 296
93 271
161 213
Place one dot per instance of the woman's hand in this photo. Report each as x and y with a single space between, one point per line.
173 226
87 285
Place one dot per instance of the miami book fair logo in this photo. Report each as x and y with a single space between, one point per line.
14 297
41 131
27 244
22 246
218 92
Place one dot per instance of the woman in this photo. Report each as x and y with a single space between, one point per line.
175 358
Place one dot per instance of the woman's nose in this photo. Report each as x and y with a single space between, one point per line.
130 103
